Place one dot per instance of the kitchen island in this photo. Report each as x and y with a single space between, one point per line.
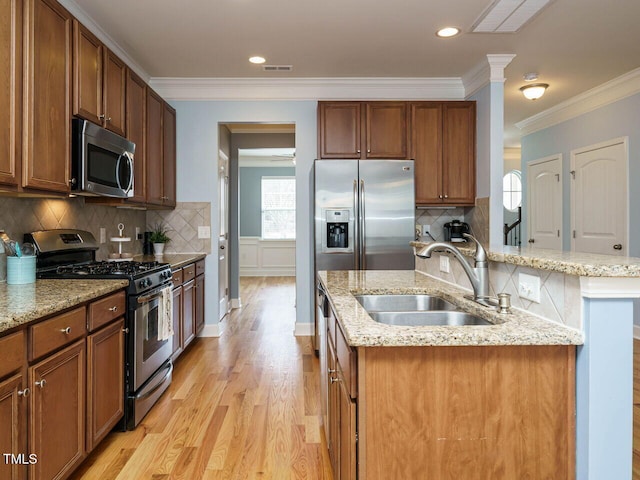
494 401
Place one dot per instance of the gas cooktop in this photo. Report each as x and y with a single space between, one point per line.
94 269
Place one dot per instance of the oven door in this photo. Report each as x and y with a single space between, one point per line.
149 352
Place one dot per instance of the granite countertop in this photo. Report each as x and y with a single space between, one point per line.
21 304
177 260
571 263
517 328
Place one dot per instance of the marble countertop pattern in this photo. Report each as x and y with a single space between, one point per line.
571 263
21 304
177 260
517 328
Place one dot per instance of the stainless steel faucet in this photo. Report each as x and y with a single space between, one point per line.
478 275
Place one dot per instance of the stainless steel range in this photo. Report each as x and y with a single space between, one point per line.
69 254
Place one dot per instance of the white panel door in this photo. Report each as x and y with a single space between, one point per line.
599 198
223 244
544 202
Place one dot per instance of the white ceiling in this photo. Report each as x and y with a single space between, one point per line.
574 45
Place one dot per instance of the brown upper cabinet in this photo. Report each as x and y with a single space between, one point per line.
443 147
136 108
161 151
99 79
364 130
47 94
10 91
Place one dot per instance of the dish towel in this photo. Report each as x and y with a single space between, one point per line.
165 315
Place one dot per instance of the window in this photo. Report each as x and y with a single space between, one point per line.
512 190
278 207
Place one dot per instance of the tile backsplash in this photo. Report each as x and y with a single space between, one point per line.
183 223
560 299
477 217
22 215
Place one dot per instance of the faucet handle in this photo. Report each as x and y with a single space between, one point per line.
481 253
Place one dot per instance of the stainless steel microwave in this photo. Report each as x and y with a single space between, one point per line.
102 162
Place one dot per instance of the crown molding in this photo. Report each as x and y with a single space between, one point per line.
77 11
621 87
309 88
485 72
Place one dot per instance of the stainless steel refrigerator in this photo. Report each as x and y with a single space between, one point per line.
364 214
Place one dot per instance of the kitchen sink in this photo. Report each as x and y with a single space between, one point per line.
429 318
403 303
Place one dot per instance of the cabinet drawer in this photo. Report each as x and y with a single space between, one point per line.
199 267
189 272
104 311
12 348
52 334
176 277
346 358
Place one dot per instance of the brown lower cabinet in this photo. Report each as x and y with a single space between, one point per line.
61 389
188 305
57 416
499 412
105 384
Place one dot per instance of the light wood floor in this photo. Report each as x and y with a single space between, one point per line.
242 406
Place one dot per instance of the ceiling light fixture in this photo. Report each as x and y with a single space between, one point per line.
448 32
534 91
257 60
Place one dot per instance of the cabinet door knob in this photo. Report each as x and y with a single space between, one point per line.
334 379
440 197
125 330
532 240
358 151
617 246
66 330
446 196
113 309
109 119
368 150
41 383
101 116
24 393
72 181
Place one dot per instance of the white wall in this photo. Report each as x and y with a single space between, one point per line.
197 147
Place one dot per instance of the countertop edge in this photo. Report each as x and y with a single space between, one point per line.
59 296
570 263
176 260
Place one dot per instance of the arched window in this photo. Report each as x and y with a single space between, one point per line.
512 190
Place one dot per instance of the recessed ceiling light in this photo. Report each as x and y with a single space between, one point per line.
447 32
257 60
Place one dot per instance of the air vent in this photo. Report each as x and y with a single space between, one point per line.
508 16
277 68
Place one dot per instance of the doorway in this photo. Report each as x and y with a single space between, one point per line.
223 238
262 210
599 198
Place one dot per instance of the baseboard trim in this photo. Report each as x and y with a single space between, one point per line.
268 272
214 330
235 303
304 330
636 331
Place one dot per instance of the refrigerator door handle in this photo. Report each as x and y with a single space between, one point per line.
356 249
363 243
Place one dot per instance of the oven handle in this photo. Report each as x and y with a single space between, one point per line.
160 383
155 294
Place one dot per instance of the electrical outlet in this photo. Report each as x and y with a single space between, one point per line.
204 232
103 235
529 287
445 266
426 230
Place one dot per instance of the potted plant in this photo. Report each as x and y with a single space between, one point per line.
159 238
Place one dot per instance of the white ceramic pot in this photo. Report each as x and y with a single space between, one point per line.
158 248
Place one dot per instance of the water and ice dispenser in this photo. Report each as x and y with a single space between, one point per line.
338 231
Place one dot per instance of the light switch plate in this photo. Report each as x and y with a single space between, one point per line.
529 287
445 266
204 232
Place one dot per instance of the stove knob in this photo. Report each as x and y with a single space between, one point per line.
144 283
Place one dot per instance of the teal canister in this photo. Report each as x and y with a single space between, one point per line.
21 270
3 264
